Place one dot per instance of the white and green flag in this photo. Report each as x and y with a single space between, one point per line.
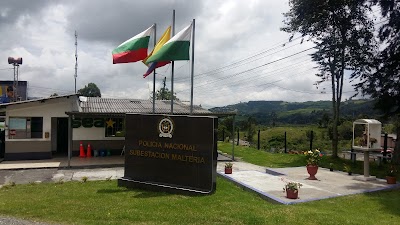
177 48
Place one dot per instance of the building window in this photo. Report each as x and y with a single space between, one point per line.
115 127
25 127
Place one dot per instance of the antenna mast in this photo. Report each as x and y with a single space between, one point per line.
76 58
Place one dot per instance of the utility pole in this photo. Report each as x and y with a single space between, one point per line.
163 89
15 62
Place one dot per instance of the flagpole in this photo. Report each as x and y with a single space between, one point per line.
192 69
154 72
172 65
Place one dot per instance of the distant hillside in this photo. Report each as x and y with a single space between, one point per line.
280 112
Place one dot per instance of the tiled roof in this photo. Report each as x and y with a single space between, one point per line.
111 105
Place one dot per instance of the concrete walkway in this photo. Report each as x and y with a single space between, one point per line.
266 182
76 162
269 182
62 162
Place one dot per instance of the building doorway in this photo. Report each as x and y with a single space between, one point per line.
2 143
62 135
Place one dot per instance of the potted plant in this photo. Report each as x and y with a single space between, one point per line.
228 168
331 166
391 175
292 189
313 157
347 168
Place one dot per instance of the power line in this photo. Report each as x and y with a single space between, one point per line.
235 63
244 87
251 69
251 80
266 74
34 88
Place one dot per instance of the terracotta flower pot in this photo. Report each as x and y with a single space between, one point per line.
228 170
391 180
292 194
312 170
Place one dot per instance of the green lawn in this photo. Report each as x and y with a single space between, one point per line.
102 202
296 138
267 159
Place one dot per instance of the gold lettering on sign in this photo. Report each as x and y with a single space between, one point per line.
150 144
149 154
167 156
184 147
188 158
163 145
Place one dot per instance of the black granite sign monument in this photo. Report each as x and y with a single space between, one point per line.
170 153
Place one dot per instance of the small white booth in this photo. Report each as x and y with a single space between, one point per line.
367 138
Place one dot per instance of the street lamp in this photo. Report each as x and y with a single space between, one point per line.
15 62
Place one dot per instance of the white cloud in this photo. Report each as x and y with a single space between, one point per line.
226 32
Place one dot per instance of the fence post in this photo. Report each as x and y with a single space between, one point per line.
385 147
352 155
237 136
285 143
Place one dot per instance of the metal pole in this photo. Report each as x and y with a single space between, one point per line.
172 66
154 73
192 72
366 163
69 140
16 85
15 82
258 140
311 139
223 135
76 58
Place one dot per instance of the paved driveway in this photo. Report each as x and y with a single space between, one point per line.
55 174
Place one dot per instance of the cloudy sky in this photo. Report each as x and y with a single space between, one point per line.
240 52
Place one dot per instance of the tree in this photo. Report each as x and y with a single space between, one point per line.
164 93
54 95
346 130
251 128
222 129
90 90
342 33
227 122
273 118
383 83
324 121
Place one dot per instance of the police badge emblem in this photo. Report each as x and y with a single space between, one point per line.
166 127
